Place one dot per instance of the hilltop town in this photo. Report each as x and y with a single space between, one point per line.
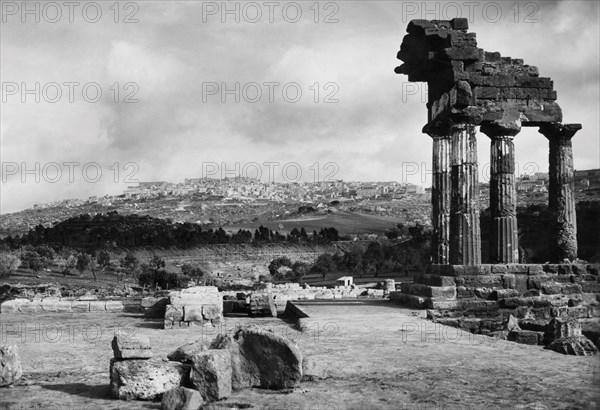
245 202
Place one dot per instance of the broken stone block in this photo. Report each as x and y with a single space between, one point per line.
210 374
114 306
55 305
513 324
197 295
262 305
182 398
131 347
97 306
261 359
463 53
80 306
211 312
10 365
30 307
500 294
192 313
574 345
528 337
145 379
560 328
184 353
174 313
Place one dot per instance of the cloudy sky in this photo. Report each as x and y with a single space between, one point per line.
147 90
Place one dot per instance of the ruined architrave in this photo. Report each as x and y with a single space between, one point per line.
470 87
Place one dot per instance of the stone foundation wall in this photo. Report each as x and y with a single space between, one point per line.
482 298
53 304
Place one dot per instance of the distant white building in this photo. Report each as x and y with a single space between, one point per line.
344 281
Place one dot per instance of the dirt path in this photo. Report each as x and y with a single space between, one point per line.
374 356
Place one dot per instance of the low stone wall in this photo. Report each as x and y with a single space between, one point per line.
282 293
74 305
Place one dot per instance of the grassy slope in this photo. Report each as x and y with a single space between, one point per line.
347 223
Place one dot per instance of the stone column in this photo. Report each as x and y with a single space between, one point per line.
440 194
504 239
465 236
561 195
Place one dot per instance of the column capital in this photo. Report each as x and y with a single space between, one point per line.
444 129
498 130
557 131
437 130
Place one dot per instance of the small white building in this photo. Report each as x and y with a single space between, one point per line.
344 281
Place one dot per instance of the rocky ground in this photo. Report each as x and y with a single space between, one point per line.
369 355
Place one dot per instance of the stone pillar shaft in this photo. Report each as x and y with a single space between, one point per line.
440 198
561 192
504 238
465 235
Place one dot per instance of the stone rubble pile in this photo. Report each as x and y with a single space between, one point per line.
195 374
134 375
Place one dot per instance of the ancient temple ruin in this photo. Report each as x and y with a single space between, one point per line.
470 87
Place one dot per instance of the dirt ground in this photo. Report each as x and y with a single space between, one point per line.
372 355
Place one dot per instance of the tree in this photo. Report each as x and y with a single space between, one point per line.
354 262
278 263
193 271
83 261
130 263
69 264
103 260
374 257
8 264
300 269
32 260
323 265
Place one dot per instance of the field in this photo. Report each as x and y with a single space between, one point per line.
370 355
347 223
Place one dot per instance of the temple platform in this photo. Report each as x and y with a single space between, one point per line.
482 298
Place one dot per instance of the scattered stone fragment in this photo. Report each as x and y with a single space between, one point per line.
574 345
182 398
210 374
145 379
131 346
261 359
561 328
10 365
513 324
185 352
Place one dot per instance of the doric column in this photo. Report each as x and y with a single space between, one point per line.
561 195
440 194
465 236
504 239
